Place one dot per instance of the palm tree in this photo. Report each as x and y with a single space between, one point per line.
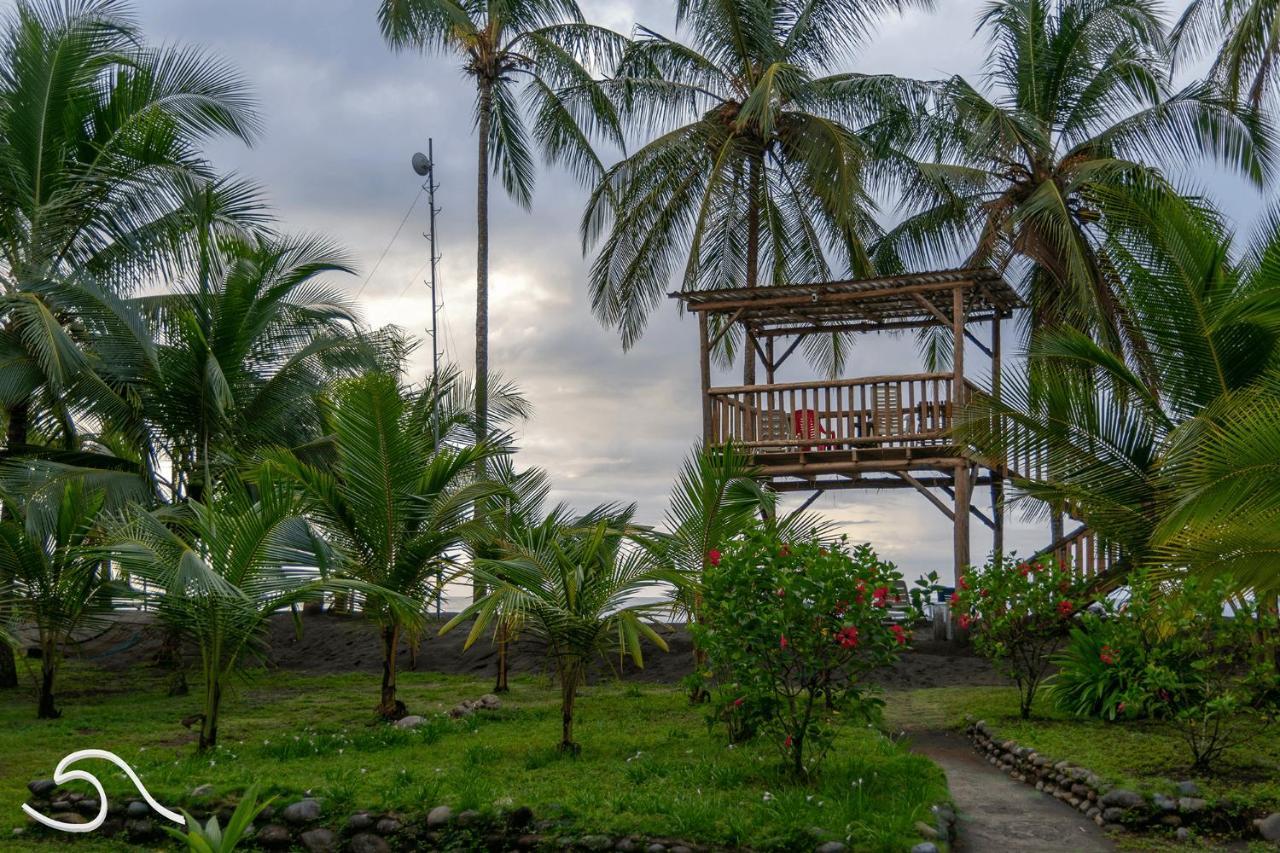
1178 474
226 567
572 581
391 499
1032 169
1246 38
244 346
52 569
757 170
547 47
99 152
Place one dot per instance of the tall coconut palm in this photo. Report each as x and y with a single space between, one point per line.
393 502
1244 38
99 147
53 574
225 567
544 46
759 155
1025 172
244 345
573 581
1177 474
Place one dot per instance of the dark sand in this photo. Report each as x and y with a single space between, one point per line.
333 644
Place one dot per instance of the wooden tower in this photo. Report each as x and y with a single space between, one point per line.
872 432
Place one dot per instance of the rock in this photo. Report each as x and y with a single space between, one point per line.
360 822
367 842
1113 814
520 817
926 831
468 817
389 826
1171 820
1163 803
626 845
597 842
137 809
489 702
925 847
831 847
139 828
1123 799
1183 834
410 722
273 835
201 791
1269 827
680 848
528 841
656 848
42 787
69 817
319 840
303 811
88 806
1191 805
1188 788
439 816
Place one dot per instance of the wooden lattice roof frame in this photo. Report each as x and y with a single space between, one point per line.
912 300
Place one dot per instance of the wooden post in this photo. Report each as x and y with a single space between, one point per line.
963 487
769 363
704 365
998 473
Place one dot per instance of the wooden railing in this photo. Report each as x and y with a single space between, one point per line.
880 411
1082 550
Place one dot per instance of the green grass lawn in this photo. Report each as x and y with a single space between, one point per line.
648 766
1144 756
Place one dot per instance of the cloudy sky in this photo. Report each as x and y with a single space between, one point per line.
343 116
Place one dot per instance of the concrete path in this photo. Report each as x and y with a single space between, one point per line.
998 814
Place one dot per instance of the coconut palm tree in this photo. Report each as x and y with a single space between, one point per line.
759 152
572 581
1244 38
53 574
1030 170
225 567
1177 474
99 152
393 501
548 49
244 345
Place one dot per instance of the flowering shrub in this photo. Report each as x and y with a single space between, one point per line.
1018 612
789 629
1178 650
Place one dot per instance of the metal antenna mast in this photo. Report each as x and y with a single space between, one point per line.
426 167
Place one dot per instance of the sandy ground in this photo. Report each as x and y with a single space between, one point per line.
331 643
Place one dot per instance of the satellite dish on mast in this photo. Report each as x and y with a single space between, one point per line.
421 164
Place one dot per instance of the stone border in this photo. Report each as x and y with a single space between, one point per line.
1109 806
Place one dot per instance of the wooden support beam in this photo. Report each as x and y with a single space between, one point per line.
792 348
704 366
960 526
977 513
725 305
997 474
808 502
922 489
728 324
874 484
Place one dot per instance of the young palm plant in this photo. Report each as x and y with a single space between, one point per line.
1034 168
394 502
53 574
225 567
549 49
1176 474
574 582
759 155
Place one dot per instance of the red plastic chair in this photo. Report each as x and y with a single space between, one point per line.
807 427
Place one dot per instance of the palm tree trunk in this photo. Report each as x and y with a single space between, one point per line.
754 167
390 707
568 693
504 641
485 118
209 725
19 420
47 710
8 666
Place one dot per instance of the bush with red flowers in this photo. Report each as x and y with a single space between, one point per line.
789 629
1018 613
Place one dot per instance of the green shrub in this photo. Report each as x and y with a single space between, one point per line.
789 628
1019 613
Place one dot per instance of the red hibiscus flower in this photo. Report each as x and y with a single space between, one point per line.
787 743
782 642
847 637
784 551
955 598
1065 607
984 592
899 634
737 703
780 592
878 596
964 621
963 581
713 557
